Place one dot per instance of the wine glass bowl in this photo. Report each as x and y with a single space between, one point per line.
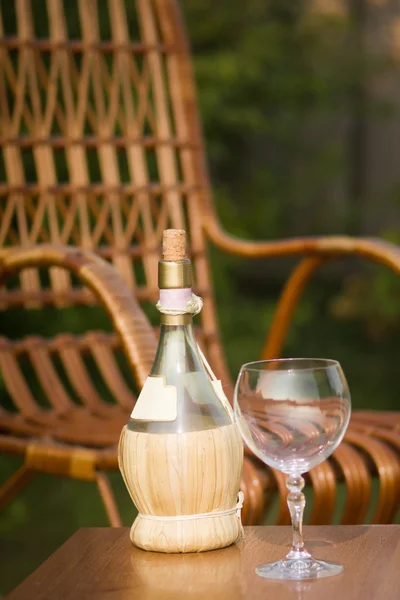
293 413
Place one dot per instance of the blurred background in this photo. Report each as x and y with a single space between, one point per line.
300 104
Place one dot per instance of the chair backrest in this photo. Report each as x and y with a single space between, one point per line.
100 142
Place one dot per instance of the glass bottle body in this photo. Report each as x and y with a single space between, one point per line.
179 363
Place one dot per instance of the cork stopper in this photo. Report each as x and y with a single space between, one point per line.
174 244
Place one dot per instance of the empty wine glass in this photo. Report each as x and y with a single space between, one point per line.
293 413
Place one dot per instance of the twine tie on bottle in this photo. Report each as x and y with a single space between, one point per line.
193 304
220 513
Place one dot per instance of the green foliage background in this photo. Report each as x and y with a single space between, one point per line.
267 71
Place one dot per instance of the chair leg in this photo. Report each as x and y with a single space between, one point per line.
15 484
109 501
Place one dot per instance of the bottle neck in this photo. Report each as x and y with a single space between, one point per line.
175 320
177 350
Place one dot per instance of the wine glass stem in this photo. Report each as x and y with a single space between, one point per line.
296 502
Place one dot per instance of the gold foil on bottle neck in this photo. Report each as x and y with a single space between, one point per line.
185 319
174 274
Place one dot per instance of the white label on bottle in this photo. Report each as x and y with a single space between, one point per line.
217 385
156 402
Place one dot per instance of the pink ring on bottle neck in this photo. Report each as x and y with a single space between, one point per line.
177 298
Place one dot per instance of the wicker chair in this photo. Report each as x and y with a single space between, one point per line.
110 124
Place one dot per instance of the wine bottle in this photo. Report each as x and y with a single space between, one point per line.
180 454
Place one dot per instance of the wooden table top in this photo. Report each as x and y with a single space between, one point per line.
102 564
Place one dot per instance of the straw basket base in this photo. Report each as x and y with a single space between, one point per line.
194 535
191 473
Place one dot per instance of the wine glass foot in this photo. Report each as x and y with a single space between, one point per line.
298 569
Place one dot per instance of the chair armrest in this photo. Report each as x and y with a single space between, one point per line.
317 251
106 283
326 247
